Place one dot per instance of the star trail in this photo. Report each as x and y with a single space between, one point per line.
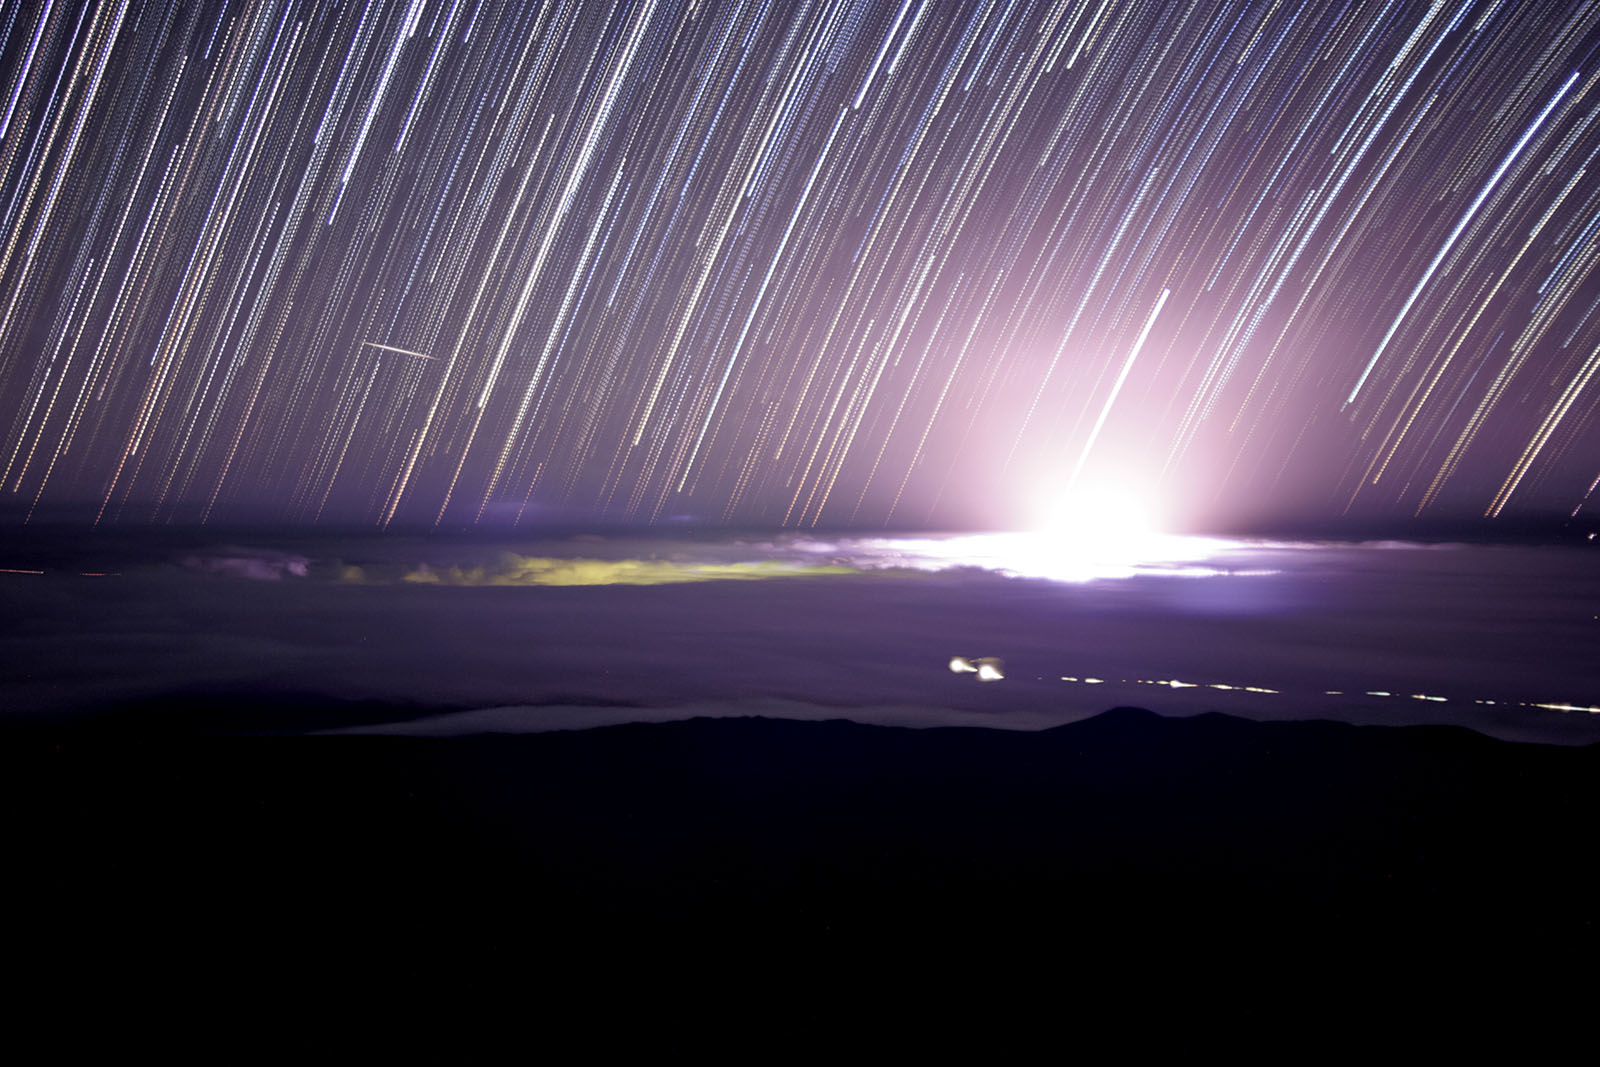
455 262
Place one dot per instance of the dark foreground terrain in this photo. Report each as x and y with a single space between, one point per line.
773 886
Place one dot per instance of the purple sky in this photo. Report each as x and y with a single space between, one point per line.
788 263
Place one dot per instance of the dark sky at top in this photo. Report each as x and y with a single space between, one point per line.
919 262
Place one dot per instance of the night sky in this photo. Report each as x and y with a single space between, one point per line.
912 262
348 348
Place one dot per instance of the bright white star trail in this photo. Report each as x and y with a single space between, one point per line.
811 263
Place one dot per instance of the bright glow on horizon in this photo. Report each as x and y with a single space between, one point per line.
1102 520
1087 532
1084 557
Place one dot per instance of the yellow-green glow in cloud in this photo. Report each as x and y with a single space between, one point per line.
513 569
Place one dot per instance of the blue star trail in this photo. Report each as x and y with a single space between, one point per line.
455 262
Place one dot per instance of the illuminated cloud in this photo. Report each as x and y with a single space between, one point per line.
258 564
542 570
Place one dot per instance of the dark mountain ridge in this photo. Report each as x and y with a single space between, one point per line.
822 875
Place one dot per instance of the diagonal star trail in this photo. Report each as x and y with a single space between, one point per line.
460 261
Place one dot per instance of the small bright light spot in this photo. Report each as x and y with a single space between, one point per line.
1182 685
1379 693
1093 681
987 668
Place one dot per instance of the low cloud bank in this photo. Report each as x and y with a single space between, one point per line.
257 564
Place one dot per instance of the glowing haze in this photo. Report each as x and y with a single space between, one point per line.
918 263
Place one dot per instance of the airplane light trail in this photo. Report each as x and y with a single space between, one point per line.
403 351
